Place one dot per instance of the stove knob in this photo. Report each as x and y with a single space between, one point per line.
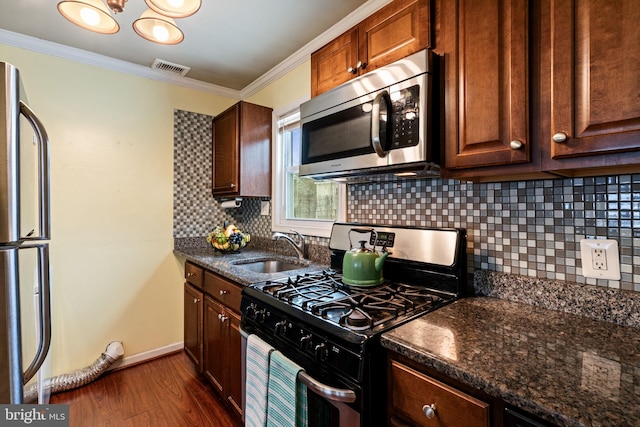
321 352
280 327
305 343
260 315
250 311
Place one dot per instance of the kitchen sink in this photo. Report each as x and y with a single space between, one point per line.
269 266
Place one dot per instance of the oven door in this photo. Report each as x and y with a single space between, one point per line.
327 406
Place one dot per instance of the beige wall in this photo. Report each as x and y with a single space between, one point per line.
113 272
293 87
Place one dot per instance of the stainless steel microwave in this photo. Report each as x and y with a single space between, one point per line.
380 122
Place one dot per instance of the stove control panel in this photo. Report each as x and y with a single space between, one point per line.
304 344
383 238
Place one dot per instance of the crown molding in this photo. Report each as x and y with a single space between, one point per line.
78 55
303 54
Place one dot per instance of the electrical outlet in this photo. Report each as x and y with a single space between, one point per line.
600 259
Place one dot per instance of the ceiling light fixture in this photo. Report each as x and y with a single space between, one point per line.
91 15
155 25
157 28
175 8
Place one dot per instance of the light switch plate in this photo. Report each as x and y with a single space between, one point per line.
600 259
264 207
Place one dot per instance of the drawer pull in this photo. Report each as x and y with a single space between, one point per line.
560 137
223 292
429 411
515 144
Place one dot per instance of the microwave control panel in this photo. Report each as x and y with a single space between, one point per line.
405 123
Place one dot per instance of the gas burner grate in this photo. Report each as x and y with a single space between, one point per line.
323 294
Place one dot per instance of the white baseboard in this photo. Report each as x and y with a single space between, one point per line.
147 355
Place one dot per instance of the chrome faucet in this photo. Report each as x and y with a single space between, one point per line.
299 246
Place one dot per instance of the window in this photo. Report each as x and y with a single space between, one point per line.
306 205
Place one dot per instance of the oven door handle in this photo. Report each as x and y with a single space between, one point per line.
328 392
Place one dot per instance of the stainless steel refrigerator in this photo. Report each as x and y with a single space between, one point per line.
25 318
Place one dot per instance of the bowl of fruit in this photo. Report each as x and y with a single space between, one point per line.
228 238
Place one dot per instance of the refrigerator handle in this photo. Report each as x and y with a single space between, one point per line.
43 173
45 311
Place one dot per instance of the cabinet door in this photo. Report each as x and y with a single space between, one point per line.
255 150
485 45
193 325
215 344
334 63
395 31
226 162
595 77
234 392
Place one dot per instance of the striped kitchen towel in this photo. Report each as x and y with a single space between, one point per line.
256 396
287 403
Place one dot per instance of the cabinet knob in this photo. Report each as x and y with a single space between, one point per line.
196 300
560 137
190 274
223 291
361 65
232 185
516 144
222 317
429 411
352 70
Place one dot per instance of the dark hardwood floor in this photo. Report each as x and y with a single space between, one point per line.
162 392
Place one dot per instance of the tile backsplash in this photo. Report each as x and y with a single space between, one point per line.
195 211
530 228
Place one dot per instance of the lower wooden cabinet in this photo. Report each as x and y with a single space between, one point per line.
423 401
212 322
222 352
193 303
214 343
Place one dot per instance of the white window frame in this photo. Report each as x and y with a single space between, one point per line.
279 221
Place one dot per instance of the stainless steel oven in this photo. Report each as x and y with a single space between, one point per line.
333 330
377 123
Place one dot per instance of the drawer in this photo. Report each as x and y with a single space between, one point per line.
412 391
223 290
193 274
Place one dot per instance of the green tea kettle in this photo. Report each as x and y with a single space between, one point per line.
363 266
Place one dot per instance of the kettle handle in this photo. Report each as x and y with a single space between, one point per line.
363 230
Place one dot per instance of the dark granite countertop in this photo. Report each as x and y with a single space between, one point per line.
229 265
565 368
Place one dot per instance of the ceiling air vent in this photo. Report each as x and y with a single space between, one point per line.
169 67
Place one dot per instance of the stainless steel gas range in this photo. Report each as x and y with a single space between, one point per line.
332 330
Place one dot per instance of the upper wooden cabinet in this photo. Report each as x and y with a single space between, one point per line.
485 45
399 29
540 89
242 151
594 84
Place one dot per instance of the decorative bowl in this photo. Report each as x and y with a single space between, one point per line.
228 239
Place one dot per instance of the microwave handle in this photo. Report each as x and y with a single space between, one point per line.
375 122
